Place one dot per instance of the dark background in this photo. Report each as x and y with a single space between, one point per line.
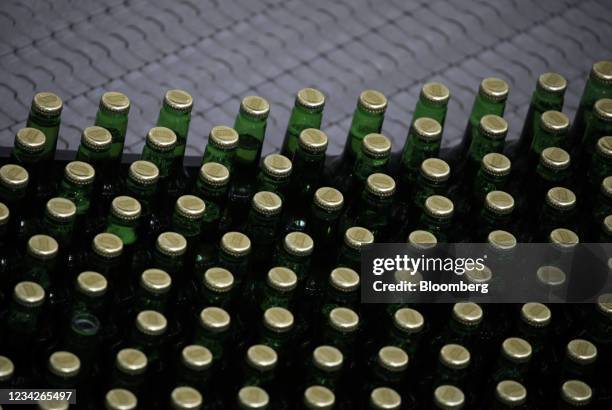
222 50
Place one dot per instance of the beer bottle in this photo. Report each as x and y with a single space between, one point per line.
597 86
605 234
341 289
276 331
148 337
169 252
187 221
552 131
153 291
58 221
433 177
294 253
423 142
355 238
575 394
306 113
7 372
234 251
558 211
113 115
432 103
599 322
548 95
372 158
9 257
194 369
28 152
175 114
105 256
488 137
77 186
448 397
159 149
53 405
318 398
453 366
601 164
493 175
141 184
406 330
600 125
250 125
63 370
495 214
40 265
211 186
513 362
252 397
437 217
579 361
120 399
262 225
221 146
216 288
602 206
388 367
45 116
509 394
385 398
325 367
275 175
277 290
95 149
325 212
123 221
533 326
13 192
260 366
552 170
185 398
129 371
340 330
462 328
21 322
90 295
213 331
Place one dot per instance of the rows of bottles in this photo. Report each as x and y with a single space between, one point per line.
238 282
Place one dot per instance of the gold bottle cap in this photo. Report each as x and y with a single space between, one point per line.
79 173
376 145
408 320
5 214
53 405
603 109
448 397
236 244
267 203
435 93
278 319
564 238
161 139
14 176
319 398
262 357
501 240
30 140
516 350
42 247
64 364
29 294
218 280
385 398
535 314
357 237
327 358
144 172
427 129
120 399
561 198
581 351
178 100
171 244
494 89
604 146
96 138
298 244
556 159
196 357
454 356
496 164
475 275
554 122
435 170
215 174
422 240
511 393
7 368
281 279
151 323
190 207
156 281
277 166
493 126
343 319
253 397
393 359
311 99
223 137
576 392
215 319
439 206
186 398
372 101
606 189
107 245
115 102
467 313
47 104
380 185
602 72
552 83
61 209
126 208
131 361
329 199
499 202
344 279
255 106
313 140
607 224
91 284
551 276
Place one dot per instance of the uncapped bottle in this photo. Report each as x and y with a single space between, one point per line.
306 113
221 146
113 115
45 116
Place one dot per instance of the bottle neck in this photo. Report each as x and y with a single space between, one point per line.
415 151
251 132
164 160
425 108
116 124
79 194
225 157
483 106
50 127
366 165
178 122
483 144
363 123
544 139
125 230
300 119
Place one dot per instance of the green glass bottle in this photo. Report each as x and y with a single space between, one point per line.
95 146
91 295
495 214
462 328
148 336
488 137
548 95
169 253
120 399
603 203
448 397
355 238
21 321
385 398
187 220
275 175
141 184
153 291
7 372
373 209
28 152
260 366
262 225
423 142
123 220
433 178
514 361
600 125
294 253
213 331
493 175
77 186
558 210
509 394
105 256
406 330
552 131
388 367
325 367
605 234
340 330
317 398
221 147
534 325
63 370
175 114
598 85
437 217
14 182
194 368
45 116
59 220
211 186
575 394
277 290
325 212
216 288
601 162
251 398
453 365
129 370
185 398
234 252
250 125
306 113
432 103
580 360
372 158
277 330
159 149
341 289
553 169
40 264
113 115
